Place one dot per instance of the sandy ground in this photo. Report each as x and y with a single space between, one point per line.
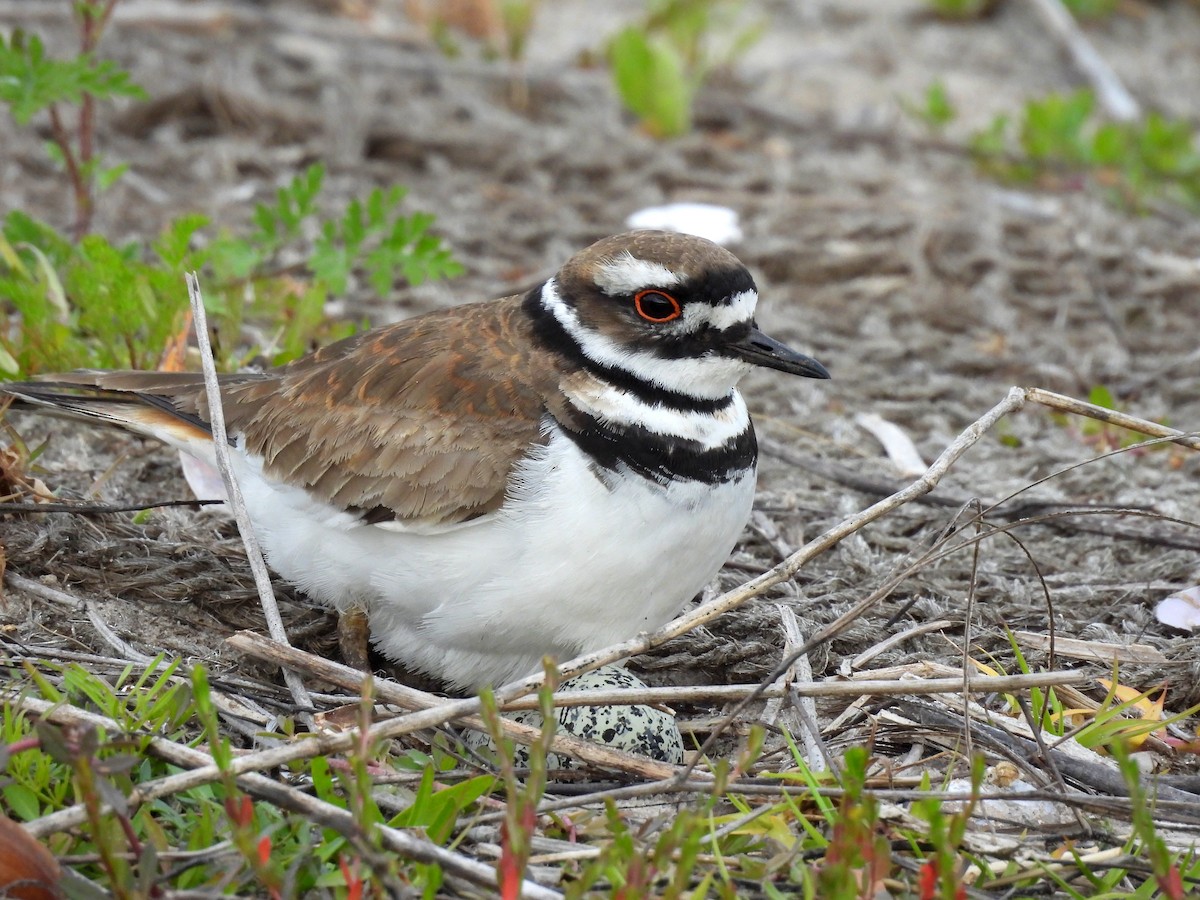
925 288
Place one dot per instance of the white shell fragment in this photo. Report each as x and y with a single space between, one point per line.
896 444
643 730
1181 610
718 224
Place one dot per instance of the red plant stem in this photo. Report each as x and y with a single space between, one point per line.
91 26
83 197
87 120
26 743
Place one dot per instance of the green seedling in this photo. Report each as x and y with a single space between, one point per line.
1060 140
961 9
660 64
32 82
95 304
1091 9
935 109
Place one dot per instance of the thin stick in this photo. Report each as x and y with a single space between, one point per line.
100 509
258 566
723 693
61 598
1112 417
405 843
409 698
1116 100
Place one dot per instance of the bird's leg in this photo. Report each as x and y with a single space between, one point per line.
354 633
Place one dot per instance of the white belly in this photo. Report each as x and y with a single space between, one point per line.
570 563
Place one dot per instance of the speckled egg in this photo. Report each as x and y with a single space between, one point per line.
637 729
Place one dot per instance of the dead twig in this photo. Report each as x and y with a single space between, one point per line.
405 843
409 698
220 439
1111 417
101 509
391 692
67 601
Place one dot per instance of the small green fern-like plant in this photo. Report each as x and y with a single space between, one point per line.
96 304
31 82
83 300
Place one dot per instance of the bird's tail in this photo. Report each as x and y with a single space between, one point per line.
140 402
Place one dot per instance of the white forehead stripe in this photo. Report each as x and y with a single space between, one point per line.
738 311
706 377
626 274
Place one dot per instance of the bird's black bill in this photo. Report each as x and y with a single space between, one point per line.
763 350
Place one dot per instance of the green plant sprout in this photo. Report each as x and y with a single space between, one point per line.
935 109
1059 136
962 9
659 64
32 82
95 304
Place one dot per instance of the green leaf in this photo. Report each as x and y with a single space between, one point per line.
651 82
55 295
22 802
938 108
8 363
1101 396
1111 144
30 82
330 262
106 178
173 246
1053 127
236 258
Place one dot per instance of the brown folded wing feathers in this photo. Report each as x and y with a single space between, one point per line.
420 422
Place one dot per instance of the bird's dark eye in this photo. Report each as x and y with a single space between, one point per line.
655 306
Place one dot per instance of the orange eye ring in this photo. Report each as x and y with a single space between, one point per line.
656 306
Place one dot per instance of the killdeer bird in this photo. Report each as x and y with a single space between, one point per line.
541 474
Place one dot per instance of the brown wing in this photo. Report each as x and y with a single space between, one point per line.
420 422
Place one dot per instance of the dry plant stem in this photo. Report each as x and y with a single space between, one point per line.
258 566
786 569
101 509
77 604
404 843
1111 93
409 698
1045 756
851 690
1112 417
805 708
968 618
1176 812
